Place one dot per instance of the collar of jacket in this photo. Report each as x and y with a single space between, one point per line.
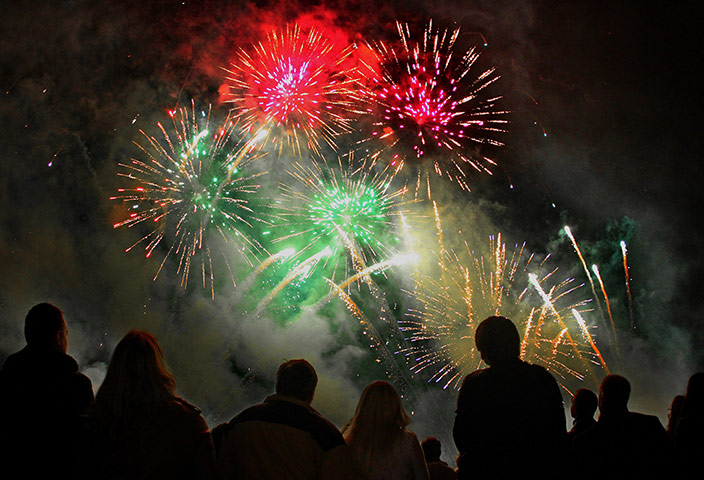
285 398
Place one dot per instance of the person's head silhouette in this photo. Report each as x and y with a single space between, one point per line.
498 341
431 449
614 393
584 404
45 328
297 379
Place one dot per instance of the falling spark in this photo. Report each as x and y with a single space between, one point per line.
568 231
376 341
585 331
595 269
628 285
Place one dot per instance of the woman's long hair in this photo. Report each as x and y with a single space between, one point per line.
377 427
137 381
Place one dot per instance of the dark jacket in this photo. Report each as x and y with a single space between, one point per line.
43 399
283 438
689 442
502 413
170 441
628 443
440 470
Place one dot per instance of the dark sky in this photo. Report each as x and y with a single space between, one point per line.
614 85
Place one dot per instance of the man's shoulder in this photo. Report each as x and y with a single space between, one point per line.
645 421
39 364
476 376
642 417
292 415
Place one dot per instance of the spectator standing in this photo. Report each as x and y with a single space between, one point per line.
689 433
284 437
437 469
139 427
382 447
583 407
503 411
623 443
43 398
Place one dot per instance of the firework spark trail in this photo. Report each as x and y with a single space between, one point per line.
191 182
302 269
348 208
393 371
423 97
549 303
407 234
377 267
293 85
568 231
245 286
585 331
441 238
608 306
285 253
527 333
628 285
357 262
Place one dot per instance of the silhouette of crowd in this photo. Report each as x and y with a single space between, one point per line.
510 419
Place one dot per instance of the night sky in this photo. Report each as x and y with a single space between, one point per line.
604 137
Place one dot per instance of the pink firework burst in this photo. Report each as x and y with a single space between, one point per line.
293 89
424 98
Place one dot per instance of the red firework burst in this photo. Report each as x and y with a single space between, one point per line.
424 96
292 89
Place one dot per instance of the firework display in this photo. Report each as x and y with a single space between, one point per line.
427 105
292 90
340 223
345 208
504 282
189 184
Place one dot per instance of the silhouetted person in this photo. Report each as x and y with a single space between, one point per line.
437 469
42 399
582 409
674 414
381 445
139 427
509 412
622 443
284 437
689 433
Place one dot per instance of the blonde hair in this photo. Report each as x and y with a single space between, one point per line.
137 381
377 426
